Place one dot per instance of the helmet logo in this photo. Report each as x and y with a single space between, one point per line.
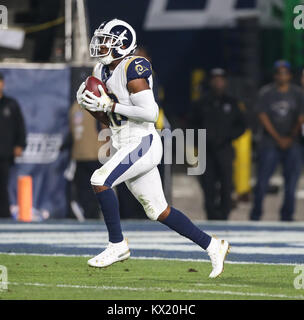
122 36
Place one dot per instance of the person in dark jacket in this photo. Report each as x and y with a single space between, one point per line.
218 113
280 109
12 143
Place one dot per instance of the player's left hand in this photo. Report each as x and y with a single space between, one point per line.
80 94
93 103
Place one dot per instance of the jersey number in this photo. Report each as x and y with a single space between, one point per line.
116 119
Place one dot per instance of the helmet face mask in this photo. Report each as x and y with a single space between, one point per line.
113 40
101 47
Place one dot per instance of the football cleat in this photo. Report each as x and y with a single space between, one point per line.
114 252
217 251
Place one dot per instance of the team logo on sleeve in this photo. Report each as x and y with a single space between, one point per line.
137 68
140 69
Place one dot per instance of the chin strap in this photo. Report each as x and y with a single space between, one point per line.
107 60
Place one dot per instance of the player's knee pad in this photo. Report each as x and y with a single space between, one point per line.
152 209
152 215
99 177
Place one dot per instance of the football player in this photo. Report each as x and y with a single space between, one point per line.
132 110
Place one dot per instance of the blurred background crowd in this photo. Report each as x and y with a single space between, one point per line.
234 68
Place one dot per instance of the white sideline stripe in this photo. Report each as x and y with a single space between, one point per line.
194 248
146 236
147 258
226 261
250 294
223 285
240 250
99 224
162 242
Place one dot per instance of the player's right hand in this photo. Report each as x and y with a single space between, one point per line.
81 95
93 103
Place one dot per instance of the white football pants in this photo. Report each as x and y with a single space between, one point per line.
136 165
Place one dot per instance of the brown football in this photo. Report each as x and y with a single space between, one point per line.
92 84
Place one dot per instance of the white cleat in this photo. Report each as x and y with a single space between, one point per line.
113 253
217 251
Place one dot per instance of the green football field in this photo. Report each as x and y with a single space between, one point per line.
60 277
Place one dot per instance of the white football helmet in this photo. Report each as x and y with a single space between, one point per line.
114 35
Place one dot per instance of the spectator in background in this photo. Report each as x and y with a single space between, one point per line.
218 113
12 143
280 108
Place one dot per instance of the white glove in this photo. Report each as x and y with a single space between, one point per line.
80 95
103 103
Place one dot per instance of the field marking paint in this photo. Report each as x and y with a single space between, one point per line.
65 224
157 289
194 248
223 285
99 236
152 239
207 260
146 258
273 245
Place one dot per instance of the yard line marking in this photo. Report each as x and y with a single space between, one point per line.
146 258
284 251
207 260
250 294
222 285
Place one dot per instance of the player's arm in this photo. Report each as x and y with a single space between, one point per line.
144 106
99 116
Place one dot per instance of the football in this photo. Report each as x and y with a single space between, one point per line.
92 84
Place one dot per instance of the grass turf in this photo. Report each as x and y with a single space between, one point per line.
60 277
